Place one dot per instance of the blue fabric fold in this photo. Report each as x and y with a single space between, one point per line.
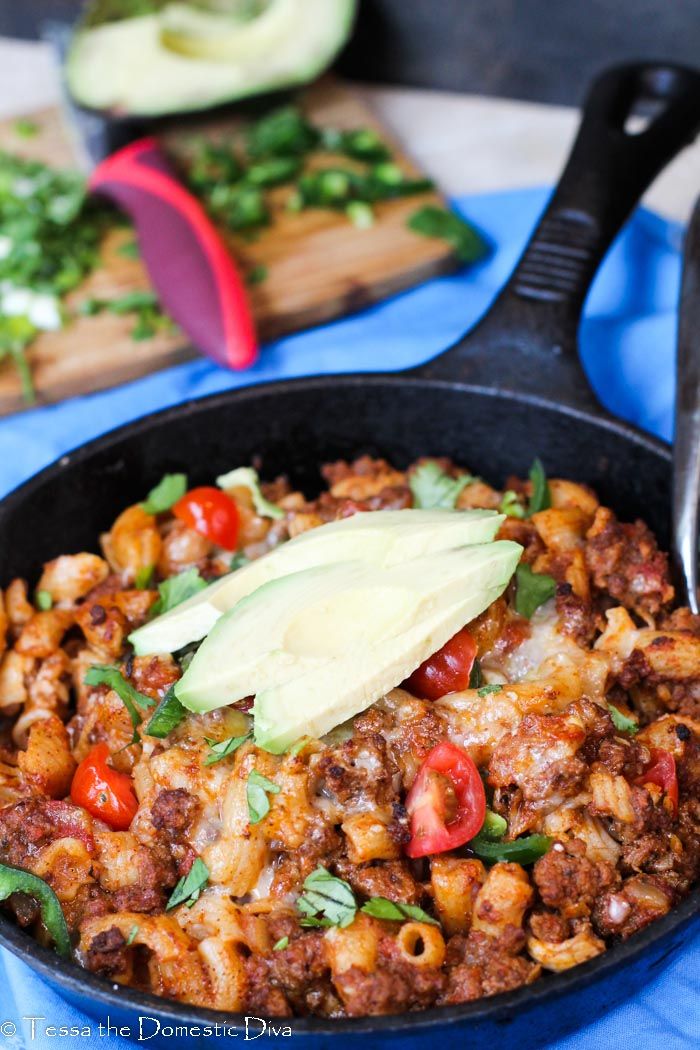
627 347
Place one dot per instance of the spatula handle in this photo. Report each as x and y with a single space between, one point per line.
686 445
191 269
527 341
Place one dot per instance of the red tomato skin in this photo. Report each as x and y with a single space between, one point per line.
104 792
662 772
446 671
212 513
426 806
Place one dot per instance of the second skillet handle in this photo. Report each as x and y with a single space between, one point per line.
527 340
686 446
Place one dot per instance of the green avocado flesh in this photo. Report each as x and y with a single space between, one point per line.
383 537
321 645
185 56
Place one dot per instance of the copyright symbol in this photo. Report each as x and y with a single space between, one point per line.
8 1029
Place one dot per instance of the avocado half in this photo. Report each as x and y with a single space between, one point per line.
187 56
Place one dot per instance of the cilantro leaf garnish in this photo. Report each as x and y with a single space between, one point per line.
190 886
112 677
484 690
221 749
541 498
327 900
511 505
381 908
623 723
532 590
247 477
167 492
257 790
177 589
167 716
432 487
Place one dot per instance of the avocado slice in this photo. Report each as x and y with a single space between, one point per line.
382 537
319 699
363 619
185 56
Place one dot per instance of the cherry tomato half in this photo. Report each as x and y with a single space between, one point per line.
662 772
447 803
103 791
446 671
212 513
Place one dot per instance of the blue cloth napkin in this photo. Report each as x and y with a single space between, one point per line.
627 346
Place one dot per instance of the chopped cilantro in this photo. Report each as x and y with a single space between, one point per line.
541 498
246 477
112 677
623 723
485 690
178 589
281 944
167 716
381 908
257 790
532 590
43 600
511 505
166 493
190 886
432 487
433 221
327 900
221 749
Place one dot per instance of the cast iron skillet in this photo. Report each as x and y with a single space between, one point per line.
511 390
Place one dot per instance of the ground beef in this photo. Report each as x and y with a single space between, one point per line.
479 965
174 810
394 987
157 875
566 879
263 999
577 617
107 954
31 824
391 879
625 562
301 969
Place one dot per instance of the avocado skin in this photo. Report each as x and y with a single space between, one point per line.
145 66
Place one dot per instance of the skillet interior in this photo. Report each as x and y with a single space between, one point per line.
294 427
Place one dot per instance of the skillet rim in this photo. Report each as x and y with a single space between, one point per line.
77 981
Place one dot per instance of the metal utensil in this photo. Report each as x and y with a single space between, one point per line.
686 447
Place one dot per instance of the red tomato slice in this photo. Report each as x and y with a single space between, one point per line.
446 671
662 772
103 791
447 803
212 513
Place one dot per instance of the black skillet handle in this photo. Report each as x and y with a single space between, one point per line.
527 341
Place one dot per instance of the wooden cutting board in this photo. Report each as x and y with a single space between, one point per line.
319 266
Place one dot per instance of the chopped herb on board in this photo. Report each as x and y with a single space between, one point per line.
434 221
26 129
